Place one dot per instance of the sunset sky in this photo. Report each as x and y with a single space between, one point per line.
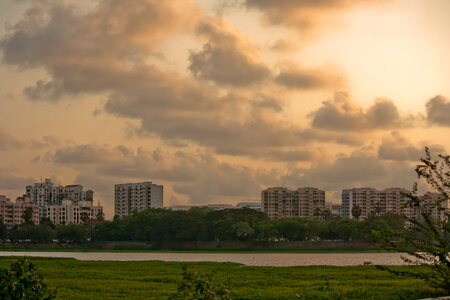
218 99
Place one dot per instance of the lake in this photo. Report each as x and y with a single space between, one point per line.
249 259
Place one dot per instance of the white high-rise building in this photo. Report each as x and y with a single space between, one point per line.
136 196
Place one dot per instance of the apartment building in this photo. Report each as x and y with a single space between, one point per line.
69 212
281 202
11 213
372 201
46 193
136 196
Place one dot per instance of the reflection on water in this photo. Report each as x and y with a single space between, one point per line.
249 259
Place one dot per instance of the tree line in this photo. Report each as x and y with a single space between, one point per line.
204 224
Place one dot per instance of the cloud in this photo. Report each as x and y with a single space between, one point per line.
86 154
199 176
79 48
359 169
295 77
227 57
341 114
9 182
306 16
438 111
9 142
397 147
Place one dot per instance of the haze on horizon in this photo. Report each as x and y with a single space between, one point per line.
217 100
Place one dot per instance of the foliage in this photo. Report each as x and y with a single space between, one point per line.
429 234
27 216
71 233
199 286
3 230
356 212
158 226
22 281
158 280
35 233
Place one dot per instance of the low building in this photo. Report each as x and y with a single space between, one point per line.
252 205
281 202
334 208
69 212
12 213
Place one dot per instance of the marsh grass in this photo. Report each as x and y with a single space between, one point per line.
157 280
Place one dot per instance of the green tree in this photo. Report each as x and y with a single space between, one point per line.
22 281
356 212
27 216
47 222
427 239
243 231
71 233
3 230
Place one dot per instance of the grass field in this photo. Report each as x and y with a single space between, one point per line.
157 280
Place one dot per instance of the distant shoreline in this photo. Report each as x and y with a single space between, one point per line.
198 247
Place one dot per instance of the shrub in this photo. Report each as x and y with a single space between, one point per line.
22 281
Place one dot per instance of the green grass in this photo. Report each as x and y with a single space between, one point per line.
157 280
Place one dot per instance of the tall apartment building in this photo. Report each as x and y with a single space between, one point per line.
47 194
11 213
136 196
70 212
280 202
378 202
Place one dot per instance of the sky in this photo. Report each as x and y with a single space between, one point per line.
219 99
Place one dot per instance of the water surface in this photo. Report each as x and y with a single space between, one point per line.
249 259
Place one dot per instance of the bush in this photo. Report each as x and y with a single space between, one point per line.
22 281
198 286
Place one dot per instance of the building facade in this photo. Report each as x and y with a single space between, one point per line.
46 194
334 208
376 202
136 196
69 212
280 202
11 213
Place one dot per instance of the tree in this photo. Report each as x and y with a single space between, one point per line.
3 230
70 233
22 281
100 216
84 217
47 222
356 212
427 239
27 216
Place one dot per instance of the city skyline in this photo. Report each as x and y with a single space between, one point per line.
217 100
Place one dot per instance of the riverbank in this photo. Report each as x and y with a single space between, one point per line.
219 247
158 280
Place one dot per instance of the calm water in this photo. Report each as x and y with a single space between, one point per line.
249 259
